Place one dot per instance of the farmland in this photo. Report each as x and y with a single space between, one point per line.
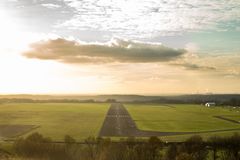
55 120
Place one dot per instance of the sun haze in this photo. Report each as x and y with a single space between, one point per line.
119 47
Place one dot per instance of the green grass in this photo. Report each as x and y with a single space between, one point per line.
205 136
181 118
81 120
57 119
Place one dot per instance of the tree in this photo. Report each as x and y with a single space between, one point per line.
195 147
184 156
215 143
153 148
232 146
171 152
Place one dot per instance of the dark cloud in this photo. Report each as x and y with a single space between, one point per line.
117 50
191 66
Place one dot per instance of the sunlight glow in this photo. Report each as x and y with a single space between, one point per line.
157 47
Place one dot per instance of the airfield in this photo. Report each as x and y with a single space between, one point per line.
171 122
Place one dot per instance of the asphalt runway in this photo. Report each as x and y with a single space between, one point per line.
119 123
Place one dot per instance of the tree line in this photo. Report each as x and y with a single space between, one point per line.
224 99
38 147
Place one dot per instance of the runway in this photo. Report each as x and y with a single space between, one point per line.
119 123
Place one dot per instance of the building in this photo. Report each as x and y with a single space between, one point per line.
210 104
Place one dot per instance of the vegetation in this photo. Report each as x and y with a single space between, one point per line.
36 147
81 120
220 99
55 120
181 117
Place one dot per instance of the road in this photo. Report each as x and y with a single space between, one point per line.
119 123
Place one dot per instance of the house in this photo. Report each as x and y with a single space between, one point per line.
210 104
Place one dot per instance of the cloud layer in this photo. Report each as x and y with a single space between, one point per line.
144 18
134 19
116 50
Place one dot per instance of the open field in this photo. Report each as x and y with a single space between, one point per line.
56 119
81 120
182 118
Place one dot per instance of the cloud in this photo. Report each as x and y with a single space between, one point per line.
141 18
191 66
50 5
13 0
116 50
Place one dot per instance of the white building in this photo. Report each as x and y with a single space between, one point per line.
210 104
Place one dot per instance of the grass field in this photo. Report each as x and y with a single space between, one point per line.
81 120
182 118
234 117
55 120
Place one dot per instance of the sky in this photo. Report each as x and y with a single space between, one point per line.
150 47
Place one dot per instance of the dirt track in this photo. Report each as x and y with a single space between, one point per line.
7 131
119 123
226 119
